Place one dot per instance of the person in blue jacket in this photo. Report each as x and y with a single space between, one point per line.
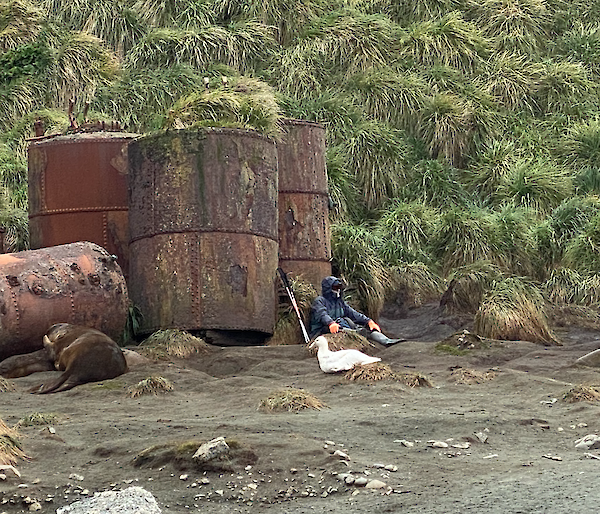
330 313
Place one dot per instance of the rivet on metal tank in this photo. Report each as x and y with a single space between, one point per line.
78 191
304 232
78 283
203 225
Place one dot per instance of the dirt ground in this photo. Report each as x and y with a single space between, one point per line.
521 433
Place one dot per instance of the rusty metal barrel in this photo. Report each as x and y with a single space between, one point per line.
304 233
78 191
203 226
79 283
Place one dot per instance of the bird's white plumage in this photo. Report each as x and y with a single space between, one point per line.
331 362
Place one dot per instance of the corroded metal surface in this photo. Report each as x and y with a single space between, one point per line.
304 233
78 192
203 225
78 283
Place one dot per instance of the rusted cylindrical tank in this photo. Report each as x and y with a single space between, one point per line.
78 191
304 234
78 283
203 225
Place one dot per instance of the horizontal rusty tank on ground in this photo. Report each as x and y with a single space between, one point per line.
78 191
78 283
304 233
203 225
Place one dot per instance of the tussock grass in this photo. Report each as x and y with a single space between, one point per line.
172 343
370 372
150 385
10 447
38 419
468 285
290 400
346 340
287 328
416 282
471 376
582 393
7 386
514 311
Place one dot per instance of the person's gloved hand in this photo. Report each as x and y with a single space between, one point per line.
373 326
334 328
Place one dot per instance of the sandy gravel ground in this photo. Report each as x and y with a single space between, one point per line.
521 433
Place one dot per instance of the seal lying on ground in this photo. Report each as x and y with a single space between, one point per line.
85 355
26 364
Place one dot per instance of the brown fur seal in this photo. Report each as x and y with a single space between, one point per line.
26 364
85 355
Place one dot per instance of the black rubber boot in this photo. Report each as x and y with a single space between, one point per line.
378 337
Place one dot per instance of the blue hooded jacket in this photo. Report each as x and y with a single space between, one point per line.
328 307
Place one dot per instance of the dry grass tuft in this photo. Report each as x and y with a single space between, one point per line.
346 340
414 380
38 419
582 393
291 400
372 371
7 386
10 447
172 343
514 311
470 376
150 385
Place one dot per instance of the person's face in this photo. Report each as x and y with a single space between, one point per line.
337 289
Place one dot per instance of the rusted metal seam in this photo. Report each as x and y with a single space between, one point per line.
104 230
207 231
316 259
76 210
17 313
194 280
81 141
312 193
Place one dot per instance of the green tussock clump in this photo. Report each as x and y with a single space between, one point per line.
172 343
291 400
467 286
38 419
150 385
247 104
515 311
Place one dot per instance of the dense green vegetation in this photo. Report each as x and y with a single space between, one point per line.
460 133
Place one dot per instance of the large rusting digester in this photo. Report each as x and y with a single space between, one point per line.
78 191
78 283
203 226
304 233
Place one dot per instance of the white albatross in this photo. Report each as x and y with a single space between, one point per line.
332 362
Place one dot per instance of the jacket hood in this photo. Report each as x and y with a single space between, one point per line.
327 284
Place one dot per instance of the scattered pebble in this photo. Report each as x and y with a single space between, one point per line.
75 476
360 481
552 457
404 442
375 484
341 454
437 444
